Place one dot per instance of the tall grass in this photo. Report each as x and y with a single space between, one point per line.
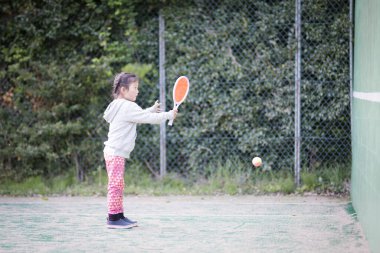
232 178
330 180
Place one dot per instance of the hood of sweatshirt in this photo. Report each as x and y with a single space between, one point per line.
112 109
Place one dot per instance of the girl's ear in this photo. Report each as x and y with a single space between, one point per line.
123 89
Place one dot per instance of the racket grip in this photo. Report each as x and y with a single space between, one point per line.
171 121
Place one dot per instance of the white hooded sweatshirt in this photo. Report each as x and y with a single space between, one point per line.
123 116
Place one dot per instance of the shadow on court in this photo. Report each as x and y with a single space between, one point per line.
181 224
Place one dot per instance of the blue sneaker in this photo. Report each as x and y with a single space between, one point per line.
119 224
134 223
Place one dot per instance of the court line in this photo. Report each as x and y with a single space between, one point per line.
369 96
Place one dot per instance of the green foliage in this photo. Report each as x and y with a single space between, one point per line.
240 60
57 62
58 58
233 86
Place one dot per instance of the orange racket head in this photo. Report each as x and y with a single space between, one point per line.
180 90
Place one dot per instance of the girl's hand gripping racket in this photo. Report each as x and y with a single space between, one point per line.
180 90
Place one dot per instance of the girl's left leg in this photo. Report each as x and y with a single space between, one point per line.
115 170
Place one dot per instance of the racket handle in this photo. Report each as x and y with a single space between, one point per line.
175 107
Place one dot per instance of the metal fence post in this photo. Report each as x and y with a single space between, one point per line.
297 109
162 93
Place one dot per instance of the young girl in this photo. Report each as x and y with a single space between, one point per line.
123 114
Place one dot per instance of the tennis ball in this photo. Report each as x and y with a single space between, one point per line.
257 161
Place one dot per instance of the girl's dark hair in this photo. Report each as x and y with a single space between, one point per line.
122 80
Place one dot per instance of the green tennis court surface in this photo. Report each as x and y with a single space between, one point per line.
182 224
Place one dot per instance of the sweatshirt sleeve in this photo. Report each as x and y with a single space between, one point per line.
150 109
135 114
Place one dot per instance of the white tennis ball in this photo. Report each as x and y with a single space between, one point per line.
257 161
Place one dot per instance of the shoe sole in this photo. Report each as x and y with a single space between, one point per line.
120 226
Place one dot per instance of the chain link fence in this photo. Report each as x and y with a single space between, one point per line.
326 135
240 58
239 67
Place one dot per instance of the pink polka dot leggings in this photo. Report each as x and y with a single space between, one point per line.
115 171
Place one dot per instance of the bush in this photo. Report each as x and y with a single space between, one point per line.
57 60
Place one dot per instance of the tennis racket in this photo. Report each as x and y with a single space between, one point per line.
180 91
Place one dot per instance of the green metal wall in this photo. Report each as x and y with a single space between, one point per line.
365 190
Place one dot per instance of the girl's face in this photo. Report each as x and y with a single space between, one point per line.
131 93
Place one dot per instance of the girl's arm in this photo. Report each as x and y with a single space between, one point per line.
134 113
